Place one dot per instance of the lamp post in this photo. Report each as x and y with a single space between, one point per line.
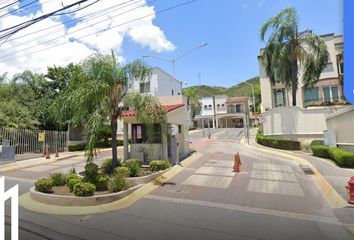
174 60
253 101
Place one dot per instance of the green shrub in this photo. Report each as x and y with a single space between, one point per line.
44 185
278 143
77 147
123 171
117 183
84 189
58 178
134 166
317 142
70 176
72 183
102 182
341 157
91 172
158 165
320 151
107 166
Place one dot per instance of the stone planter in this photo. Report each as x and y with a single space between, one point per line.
133 181
62 200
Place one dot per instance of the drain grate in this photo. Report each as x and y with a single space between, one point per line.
307 169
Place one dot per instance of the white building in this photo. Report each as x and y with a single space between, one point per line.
327 91
308 118
160 84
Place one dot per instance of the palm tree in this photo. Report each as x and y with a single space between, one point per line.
340 59
287 50
193 100
94 96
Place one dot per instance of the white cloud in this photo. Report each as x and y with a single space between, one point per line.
142 31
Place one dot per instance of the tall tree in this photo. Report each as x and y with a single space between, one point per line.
94 96
288 50
193 100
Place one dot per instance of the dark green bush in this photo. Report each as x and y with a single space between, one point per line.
320 151
134 166
58 178
278 143
158 165
44 185
91 172
84 189
117 183
341 157
102 182
317 142
106 166
123 171
77 147
72 182
70 176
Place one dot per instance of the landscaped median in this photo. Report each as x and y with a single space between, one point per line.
96 185
285 144
339 156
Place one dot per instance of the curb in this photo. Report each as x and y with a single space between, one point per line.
26 202
331 195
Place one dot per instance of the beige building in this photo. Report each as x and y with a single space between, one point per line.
342 124
177 144
327 92
223 112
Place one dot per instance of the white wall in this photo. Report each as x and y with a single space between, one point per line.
295 121
342 123
209 111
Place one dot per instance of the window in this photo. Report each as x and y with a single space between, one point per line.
330 94
279 97
222 105
210 107
145 87
238 108
205 107
218 105
139 134
311 96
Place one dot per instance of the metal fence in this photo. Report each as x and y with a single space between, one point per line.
33 141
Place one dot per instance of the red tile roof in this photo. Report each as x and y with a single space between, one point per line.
167 108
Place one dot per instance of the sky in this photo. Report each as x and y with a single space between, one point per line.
230 27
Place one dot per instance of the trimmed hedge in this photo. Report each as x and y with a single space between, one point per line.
58 178
317 142
44 185
285 144
84 189
134 166
341 157
82 146
123 171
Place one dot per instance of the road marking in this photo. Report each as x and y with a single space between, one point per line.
219 163
275 187
271 175
208 181
272 167
296 216
216 171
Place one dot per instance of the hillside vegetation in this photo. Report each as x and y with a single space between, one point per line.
237 90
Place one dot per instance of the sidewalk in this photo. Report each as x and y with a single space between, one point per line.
336 176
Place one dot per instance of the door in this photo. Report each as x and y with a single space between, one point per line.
174 148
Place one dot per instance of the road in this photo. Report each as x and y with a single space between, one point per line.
271 199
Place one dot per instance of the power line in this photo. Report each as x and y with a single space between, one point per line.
77 30
58 14
15 10
90 16
104 30
28 23
9 5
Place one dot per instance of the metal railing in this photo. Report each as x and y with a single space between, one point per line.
31 141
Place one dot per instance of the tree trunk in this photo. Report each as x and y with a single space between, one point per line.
294 80
114 142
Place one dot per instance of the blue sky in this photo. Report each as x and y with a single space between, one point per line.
231 29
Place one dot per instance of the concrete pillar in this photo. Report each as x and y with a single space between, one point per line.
164 146
125 141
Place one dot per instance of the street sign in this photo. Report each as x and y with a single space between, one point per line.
41 137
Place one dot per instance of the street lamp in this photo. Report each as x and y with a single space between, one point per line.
254 103
174 60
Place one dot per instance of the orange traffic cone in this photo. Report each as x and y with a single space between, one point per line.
56 152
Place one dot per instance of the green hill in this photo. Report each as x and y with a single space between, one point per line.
237 90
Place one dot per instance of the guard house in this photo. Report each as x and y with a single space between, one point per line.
177 145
